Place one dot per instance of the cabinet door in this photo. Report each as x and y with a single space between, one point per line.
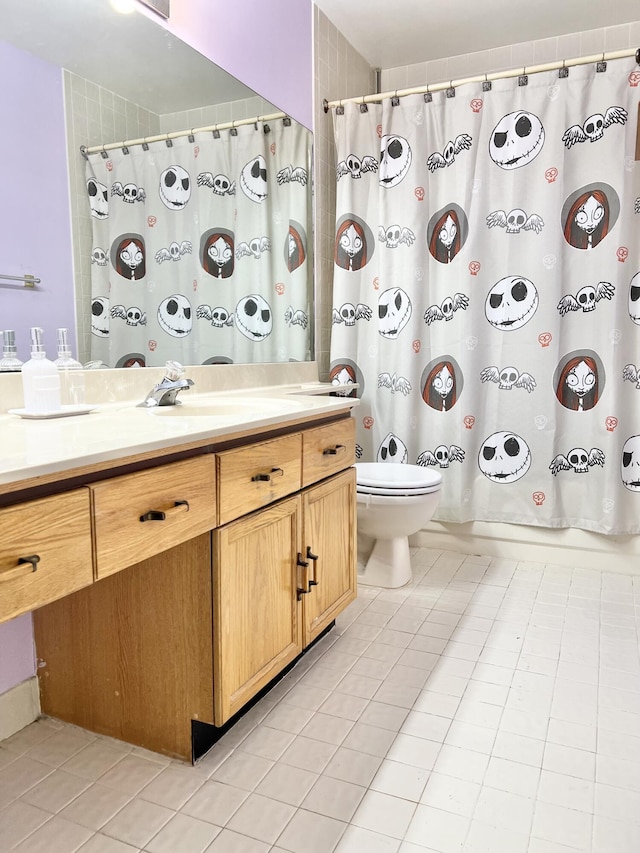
257 628
329 537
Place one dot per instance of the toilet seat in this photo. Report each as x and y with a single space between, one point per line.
380 478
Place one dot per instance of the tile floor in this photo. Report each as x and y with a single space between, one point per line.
492 706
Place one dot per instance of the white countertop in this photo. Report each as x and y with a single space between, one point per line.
222 402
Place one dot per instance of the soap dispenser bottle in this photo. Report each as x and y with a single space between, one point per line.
70 371
40 380
9 363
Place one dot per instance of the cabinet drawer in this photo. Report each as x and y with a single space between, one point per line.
327 450
57 530
139 515
252 477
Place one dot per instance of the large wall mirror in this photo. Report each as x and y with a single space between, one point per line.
195 247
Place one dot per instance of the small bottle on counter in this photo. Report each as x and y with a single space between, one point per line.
9 363
40 379
71 372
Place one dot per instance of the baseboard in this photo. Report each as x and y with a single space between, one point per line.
565 547
19 707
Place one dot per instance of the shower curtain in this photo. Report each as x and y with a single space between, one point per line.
487 293
200 248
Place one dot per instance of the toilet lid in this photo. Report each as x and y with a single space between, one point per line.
380 490
393 477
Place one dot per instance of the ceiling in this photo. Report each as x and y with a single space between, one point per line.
128 54
389 34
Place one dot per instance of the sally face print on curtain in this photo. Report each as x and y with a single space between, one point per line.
354 243
508 330
589 214
446 233
205 239
579 381
128 256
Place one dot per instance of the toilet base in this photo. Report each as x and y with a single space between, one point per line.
389 564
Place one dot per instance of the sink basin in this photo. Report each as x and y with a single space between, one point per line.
249 408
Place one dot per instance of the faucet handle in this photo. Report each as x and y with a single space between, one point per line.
173 370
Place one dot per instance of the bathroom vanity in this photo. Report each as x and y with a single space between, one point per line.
176 577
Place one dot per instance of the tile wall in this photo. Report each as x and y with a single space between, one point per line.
340 72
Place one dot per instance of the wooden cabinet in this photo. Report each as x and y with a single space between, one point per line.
194 612
257 628
282 576
45 551
329 546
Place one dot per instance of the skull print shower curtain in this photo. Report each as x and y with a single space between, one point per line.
487 293
200 249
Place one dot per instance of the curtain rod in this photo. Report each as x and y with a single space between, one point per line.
167 137
485 78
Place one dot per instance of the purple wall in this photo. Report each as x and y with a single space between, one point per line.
35 220
267 46
36 238
17 656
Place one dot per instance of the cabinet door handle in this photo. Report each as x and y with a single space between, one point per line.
275 472
313 558
333 451
302 564
26 566
163 514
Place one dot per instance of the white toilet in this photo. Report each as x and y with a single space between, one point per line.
394 501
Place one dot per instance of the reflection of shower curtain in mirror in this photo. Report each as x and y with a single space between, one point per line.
200 250
487 293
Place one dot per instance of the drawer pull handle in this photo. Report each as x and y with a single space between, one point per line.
333 451
26 566
265 478
312 557
162 515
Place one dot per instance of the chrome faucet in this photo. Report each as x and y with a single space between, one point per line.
166 391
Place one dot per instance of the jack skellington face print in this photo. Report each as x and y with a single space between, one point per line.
516 140
253 179
634 299
511 303
100 316
175 188
393 449
174 316
253 317
630 464
395 160
504 457
394 311
98 199
594 126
